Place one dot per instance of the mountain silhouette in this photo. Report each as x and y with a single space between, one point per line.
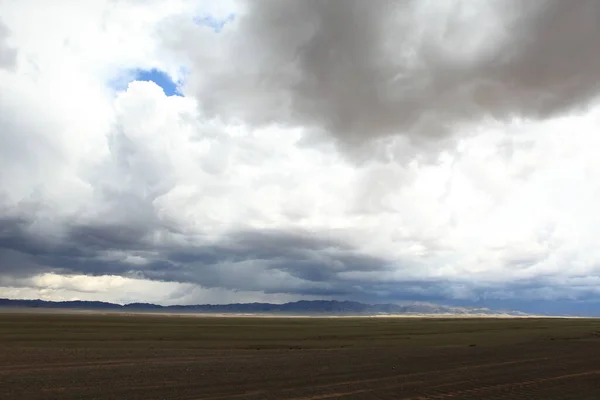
303 307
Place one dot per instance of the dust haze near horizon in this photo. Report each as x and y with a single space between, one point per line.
374 151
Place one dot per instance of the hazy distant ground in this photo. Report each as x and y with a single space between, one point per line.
77 355
24 310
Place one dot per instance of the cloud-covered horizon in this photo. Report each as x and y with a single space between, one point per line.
322 149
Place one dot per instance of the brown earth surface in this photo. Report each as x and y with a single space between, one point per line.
60 356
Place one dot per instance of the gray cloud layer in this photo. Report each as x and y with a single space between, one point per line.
362 70
271 261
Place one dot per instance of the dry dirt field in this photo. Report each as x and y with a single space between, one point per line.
78 356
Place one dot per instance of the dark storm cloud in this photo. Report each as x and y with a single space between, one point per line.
360 70
21 248
25 250
271 261
124 236
255 245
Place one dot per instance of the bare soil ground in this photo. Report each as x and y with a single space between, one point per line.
78 356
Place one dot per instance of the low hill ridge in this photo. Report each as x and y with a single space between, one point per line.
302 307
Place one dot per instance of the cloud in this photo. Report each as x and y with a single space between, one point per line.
379 152
126 290
270 261
216 24
8 55
359 71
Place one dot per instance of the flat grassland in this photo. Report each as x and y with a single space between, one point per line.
94 356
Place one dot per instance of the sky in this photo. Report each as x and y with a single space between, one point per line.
190 152
158 77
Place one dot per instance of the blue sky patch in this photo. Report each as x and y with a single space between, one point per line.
161 78
212 22
157 76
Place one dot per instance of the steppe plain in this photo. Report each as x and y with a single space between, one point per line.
76 355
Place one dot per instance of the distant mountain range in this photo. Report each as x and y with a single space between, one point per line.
317 307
